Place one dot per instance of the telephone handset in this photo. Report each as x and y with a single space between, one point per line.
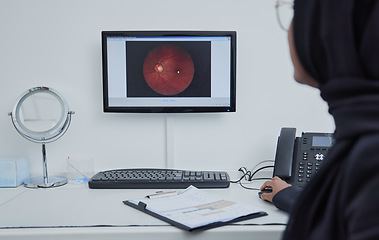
297 159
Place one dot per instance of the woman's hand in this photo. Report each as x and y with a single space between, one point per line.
276 184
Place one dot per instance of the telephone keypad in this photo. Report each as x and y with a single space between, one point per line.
307 168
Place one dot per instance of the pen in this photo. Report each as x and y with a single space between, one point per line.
162 194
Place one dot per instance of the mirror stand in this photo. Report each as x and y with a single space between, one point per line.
45 181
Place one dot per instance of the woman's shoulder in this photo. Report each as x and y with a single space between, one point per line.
361 173
363 157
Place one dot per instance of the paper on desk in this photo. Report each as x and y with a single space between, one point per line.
195 208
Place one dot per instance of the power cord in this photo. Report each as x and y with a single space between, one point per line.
249 175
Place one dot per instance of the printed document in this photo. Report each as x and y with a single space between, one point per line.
195 208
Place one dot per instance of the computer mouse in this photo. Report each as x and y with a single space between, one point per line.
266 190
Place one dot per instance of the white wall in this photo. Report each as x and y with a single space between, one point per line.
57 44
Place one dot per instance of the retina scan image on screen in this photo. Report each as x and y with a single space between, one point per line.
168 69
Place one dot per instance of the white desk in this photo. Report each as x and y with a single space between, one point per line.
77 212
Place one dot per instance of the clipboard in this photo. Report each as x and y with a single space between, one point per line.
179 218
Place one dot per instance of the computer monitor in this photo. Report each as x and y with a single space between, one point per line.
169 71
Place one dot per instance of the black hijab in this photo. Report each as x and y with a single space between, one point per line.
337 42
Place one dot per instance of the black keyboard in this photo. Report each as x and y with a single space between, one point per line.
152 178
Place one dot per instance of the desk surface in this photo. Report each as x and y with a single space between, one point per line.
76 212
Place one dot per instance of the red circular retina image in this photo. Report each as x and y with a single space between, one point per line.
168 69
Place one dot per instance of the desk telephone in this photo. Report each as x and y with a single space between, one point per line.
297 159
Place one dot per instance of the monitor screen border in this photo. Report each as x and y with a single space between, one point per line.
159 109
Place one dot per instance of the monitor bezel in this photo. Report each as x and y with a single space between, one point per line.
159 109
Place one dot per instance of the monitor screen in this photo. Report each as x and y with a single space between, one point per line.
169 71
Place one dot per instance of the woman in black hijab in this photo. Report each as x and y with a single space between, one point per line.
335 46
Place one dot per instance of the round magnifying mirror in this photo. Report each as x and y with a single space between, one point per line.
42 115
